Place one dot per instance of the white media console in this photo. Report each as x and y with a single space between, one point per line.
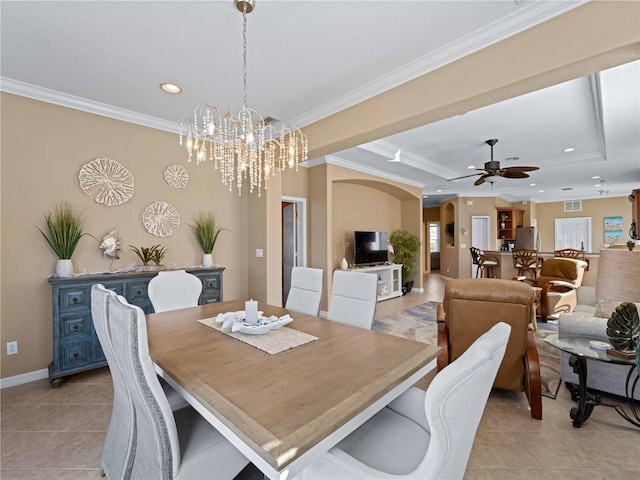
389 279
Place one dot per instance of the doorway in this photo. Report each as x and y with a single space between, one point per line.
294 241
480 236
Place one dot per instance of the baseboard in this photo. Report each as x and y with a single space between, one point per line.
24 378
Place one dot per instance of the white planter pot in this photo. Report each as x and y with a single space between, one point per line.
64 268
207 260
343 264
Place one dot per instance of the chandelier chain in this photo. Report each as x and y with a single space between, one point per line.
244 54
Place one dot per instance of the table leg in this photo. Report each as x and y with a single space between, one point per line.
580 414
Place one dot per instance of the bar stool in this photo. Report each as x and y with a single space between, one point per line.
526 262
485 263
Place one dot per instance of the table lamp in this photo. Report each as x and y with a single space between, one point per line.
619 280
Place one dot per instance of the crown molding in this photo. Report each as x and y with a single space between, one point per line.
78 103
530 14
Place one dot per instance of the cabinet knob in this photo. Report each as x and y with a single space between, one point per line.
76 355
75 327
74 299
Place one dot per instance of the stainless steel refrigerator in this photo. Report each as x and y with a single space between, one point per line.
527 237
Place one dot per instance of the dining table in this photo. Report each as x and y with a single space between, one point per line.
283 410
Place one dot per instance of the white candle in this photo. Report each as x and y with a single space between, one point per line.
251 312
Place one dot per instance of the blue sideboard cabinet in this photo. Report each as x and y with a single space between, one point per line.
76 347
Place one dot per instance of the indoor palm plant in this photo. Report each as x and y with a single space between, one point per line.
207 230
64 229
406 247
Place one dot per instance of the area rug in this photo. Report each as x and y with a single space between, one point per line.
419 323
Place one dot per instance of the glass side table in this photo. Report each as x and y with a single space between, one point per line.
580 349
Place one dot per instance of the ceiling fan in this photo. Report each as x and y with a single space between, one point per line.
492 169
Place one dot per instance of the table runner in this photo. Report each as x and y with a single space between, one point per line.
272 342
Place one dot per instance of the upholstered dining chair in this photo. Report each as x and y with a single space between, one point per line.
306 290
557 286
485 263
526 262
117 454
471 307
353 298
166 444
174 289
422 435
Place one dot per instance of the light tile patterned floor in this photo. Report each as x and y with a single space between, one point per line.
59 434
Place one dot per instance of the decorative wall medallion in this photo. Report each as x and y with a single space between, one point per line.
176 176
160 218
111 181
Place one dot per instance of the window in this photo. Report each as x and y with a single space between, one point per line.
434 237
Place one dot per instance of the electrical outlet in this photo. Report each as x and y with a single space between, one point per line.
12 348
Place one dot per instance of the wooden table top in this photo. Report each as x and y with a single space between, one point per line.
282 405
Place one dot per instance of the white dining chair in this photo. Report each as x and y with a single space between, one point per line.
117 454
353 298
306 290
174 289
167 445
422 435
118 445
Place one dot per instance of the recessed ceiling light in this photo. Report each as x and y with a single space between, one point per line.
597 185
540 191
471 167
595 177
170 88
439 190
532 184
425 196
569 150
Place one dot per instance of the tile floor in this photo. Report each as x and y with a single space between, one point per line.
58 434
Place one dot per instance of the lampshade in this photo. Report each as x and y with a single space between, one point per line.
618 275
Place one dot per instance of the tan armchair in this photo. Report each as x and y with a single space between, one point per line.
471 307
557 286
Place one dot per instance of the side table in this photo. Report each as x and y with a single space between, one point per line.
580 349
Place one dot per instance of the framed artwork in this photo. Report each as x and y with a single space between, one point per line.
613 233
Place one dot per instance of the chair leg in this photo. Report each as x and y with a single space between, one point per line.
533 382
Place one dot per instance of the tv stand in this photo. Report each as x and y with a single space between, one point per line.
389 279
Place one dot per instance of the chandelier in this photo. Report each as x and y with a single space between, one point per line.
244 147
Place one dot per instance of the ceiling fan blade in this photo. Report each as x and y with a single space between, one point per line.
521 169
466 176
480 181
512 174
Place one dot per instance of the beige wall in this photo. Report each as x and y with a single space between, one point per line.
358 207
42 169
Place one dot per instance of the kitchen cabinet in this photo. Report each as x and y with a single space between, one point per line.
509 219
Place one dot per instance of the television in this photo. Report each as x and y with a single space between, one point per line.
370 248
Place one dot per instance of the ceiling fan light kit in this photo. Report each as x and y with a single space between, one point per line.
492 169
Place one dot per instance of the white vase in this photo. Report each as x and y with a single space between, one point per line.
207 260
64 268
343 264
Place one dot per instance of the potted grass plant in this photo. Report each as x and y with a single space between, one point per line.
64 229
406 247
207 230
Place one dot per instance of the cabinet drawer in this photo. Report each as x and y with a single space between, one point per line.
210 283
74 326
76 354
137 293
75 298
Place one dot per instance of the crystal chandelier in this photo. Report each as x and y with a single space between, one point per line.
245 146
